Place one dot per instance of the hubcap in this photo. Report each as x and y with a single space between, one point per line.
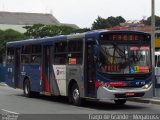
75 94
26 89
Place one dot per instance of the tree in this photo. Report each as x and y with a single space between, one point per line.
6 36
112 21
34 31
120 19
157 20
81 30
40 30
101 23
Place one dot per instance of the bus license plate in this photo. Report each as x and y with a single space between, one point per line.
130 94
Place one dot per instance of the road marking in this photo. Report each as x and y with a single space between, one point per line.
10 112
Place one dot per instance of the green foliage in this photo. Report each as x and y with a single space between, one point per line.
81 30
40 30
6 36
101 23
157 20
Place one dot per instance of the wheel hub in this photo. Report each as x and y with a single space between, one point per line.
26 89
76 94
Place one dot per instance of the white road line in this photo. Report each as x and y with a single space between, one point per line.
10 112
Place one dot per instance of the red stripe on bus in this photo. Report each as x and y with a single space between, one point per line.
47 88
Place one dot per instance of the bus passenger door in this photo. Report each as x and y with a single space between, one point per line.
90 69
46 62
17 67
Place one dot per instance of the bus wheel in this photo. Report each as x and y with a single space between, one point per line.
26 88
75 95
120 102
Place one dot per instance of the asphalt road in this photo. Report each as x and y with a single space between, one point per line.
13 101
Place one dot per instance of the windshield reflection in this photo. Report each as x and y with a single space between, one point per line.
122 59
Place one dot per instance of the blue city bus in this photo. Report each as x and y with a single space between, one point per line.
99 65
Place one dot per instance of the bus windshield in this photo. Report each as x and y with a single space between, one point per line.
124 59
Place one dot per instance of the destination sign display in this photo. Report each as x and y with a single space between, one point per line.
124 37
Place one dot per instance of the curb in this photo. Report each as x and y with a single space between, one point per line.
155 101
141 100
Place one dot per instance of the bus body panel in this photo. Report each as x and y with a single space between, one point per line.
75 72
135 87
60 76
105 94
32 72
9 75
54 89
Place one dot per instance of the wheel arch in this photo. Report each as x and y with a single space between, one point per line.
25 78
71 83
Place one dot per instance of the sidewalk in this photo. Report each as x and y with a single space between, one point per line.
153 100
3 84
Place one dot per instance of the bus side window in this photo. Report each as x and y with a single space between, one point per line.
35 58
36 54
75 51
26 49
25 59
10 55
60 53
26 54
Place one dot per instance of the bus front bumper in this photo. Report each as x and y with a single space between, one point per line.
104 93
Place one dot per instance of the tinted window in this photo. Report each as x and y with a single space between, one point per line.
31 54
25 59
75 55
35 58
75 46
36 49
10 55
61 47
26 49
60 55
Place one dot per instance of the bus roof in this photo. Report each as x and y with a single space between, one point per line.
50 40
45 40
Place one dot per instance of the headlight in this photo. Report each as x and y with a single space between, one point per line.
146 86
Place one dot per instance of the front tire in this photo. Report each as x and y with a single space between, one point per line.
120 101
75 95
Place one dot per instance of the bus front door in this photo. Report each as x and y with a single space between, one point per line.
16 67
90 69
